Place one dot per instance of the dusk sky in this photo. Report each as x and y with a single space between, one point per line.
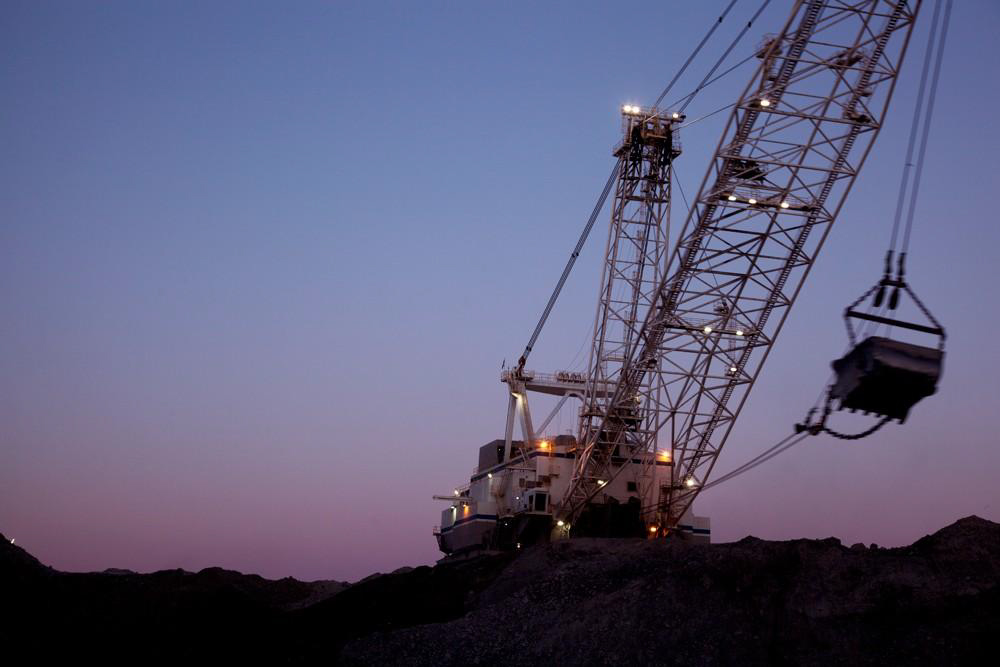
261 264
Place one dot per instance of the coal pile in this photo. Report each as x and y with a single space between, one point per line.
584 601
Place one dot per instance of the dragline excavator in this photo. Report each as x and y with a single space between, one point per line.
681 334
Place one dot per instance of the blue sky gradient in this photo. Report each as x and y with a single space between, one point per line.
262 263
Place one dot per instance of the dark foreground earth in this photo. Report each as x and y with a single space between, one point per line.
586 602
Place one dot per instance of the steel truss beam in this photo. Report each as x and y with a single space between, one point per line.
791 151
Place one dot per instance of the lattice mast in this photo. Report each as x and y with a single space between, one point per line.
790 153
635 259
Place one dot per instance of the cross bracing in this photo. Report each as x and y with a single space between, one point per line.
684 363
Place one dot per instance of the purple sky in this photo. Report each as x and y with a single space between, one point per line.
262 262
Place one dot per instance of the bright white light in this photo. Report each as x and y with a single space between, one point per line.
456 492
732 369
707 330
765 102
731 197
601 482
489 475
690 482
675 115
560 523
739 332
784 204
752 200
652 529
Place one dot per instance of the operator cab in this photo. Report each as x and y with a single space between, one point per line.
535 501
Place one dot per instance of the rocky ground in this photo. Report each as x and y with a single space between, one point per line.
588 602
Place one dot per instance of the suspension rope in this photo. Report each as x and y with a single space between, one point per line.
674 179
905 186
694 53
914 125
923 111
707 116
729 70
927 125
724 55
570 262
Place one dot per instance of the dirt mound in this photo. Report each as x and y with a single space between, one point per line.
586 601
751 602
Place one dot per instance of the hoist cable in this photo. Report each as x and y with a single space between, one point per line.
694 53
914 125
708 83
724 55
570 262
927 126
708 115
674 179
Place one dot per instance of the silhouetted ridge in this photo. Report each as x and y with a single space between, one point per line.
583 601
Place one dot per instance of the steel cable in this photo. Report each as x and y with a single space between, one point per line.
927 125
765 456
696 51
570 262
725 54
914 125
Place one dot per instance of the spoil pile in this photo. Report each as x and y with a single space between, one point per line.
586 601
